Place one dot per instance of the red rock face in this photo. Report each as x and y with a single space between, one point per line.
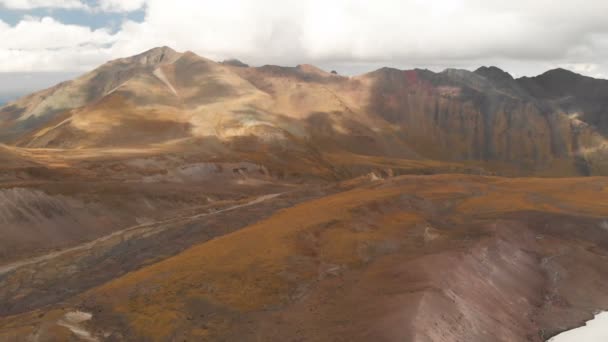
459 115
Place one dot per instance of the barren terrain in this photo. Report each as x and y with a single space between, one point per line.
167 197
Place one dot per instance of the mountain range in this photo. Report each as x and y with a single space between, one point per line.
552 124
169 197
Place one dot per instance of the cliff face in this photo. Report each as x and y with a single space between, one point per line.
579 96
553 124
489 116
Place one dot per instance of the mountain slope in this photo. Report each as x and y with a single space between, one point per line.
553 124
417 258
36 110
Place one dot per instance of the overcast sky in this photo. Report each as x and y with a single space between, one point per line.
523 37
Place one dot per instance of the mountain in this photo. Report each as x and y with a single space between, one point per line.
169 197
553 124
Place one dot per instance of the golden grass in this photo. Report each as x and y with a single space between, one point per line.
253 268
346 158
566 195
263 265
245 270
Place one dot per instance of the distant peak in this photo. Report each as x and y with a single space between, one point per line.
460 73
491 68
157 55
161 50
560 75
311 69
560 71
456 71
235 62
494 73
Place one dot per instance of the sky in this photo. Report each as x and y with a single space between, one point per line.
46 41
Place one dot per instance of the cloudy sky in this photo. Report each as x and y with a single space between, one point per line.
44 41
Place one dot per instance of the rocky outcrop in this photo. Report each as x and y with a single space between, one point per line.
486 116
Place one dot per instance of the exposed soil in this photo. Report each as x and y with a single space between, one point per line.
407 258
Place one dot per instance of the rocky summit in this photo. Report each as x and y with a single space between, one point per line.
169 197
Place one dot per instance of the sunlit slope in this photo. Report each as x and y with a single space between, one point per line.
532 126
38 110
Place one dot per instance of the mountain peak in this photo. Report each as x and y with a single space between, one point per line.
311 69
494 73
159 50
558 71
562 75
157 55
235 62
463 76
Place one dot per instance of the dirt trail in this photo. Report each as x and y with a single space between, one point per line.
147 226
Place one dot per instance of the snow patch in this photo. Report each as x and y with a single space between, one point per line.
595 330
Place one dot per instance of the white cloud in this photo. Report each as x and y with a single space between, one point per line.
44 44
389 31
46 33
528 36
66 59
31 4
99 5
120 5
